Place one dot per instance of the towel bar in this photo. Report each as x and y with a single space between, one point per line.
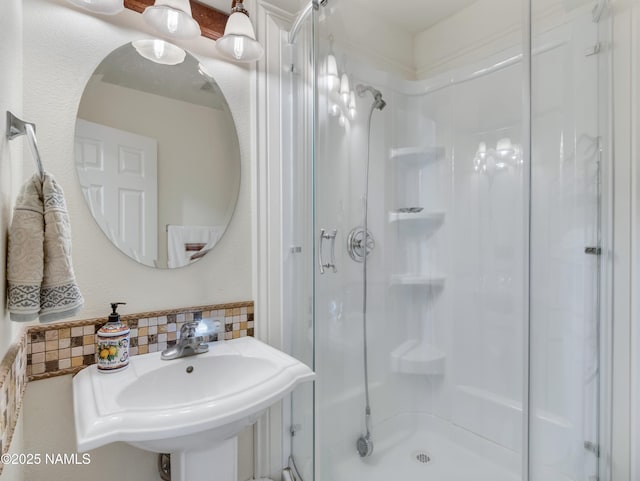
16 128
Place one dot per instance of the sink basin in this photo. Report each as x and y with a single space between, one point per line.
192 407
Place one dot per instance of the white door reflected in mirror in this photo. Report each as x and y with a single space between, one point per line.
118 168
157 157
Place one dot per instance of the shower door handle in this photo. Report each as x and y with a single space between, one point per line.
332 263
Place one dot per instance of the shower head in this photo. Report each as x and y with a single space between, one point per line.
378 102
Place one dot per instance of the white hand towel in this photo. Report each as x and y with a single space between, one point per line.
39 269
25 256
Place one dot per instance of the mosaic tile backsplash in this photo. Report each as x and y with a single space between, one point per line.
49 350
66 348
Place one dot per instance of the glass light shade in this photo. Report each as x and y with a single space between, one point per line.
172 18
239 41
105 7
159 51
333 80
344 88
334 110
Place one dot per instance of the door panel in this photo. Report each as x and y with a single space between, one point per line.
118 173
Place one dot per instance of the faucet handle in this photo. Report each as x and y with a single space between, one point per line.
188 330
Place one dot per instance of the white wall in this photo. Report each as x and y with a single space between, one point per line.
10 152
483 29
363 35
10 170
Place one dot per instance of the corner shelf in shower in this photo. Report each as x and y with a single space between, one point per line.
417 357
416 154
425 217
417 280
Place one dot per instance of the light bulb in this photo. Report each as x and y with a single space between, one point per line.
238 47
158 48
332 65
352 105
342 120
344 88
159 51
334 110
482 150
333 80
172 20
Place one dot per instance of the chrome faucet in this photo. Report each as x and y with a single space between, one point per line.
191 341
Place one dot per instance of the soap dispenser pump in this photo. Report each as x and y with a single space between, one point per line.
112 353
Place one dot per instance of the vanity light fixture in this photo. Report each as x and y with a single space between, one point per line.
239 40
159 51
172 18
105 7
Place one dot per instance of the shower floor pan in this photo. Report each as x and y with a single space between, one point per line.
419 448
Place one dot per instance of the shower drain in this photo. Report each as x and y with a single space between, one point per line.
421 457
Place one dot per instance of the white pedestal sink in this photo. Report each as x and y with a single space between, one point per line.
192 407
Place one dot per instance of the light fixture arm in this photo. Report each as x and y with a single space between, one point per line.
238 6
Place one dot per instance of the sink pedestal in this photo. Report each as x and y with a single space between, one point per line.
218 462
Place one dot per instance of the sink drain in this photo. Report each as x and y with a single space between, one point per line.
421 457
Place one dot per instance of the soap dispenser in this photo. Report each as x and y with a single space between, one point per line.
112 352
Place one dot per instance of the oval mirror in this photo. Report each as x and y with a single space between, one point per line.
157 154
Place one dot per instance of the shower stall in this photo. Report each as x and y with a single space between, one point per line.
447 222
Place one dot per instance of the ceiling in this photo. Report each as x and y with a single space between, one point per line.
414 16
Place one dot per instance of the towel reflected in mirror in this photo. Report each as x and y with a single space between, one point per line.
185 244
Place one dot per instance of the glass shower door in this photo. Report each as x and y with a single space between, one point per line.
446 278
298 84
565 243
